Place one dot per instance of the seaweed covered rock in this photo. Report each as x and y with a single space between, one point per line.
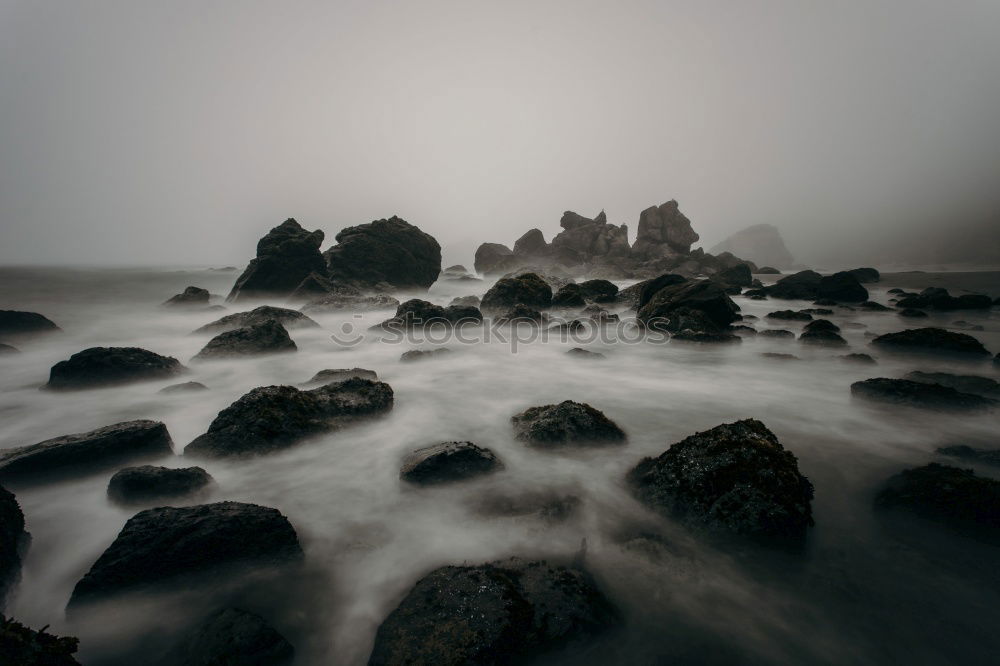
271 418
17 323
23 646
12 538
268 337
447 462
526 289
160 545
734 478
931 340
148 483
704 296
391 251
285 257
919 394
100 367
284 316
566 424
498 613
190 297
233 637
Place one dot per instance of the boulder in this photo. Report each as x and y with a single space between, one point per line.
912 313
640 294
84 452
739 276
734 478
423 354
599 291
100 367
775 333
872 306
285 317
285 257
416 313
448 462
865 275
703 295
790 315
585 240
964 383
936 298
570 296
822 336
860 359
761 243
268 337
555 276
271 418
331 375
343 302
566 424
580 352
13 540
919 394
803 285
548 506
159 546
931 340
183 387
499 613
663 231
821 325
191 296
233 637
531 244
149 483
528 289
14 322
390 251
765 270
521 314
842 287
489 257
22 646
466 300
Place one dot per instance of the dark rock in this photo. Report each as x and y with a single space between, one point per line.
521 314
739 275
936 298
640 294
447 462
580 352
148 483
546 506
826 302
500 613
285 317
767 270
761 243
466 300
423 354
460 315
803 285
790 315
841 287
918 394
705 336
703 295
775 333
270 418
983 456
489 257
822 336
555 277
268 337
872 306
740 329
285 257
8 349
572 326
532 243
528 289
817 311
385 251
84 452
912 312
584 240
416 313
931 340
735 477
570 296
13 322
861 359
316 285
780 356
13 539
340 302
604 317
456 268
568 423
896 290
233 637
821 325
110 366
342 374
184 387
964 383
966 326
158 546
21 646
599 291
865 275
663 231
191 296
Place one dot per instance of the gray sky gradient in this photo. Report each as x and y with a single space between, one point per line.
179 132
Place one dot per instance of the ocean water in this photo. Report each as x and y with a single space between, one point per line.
865 589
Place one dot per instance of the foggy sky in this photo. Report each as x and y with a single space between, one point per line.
179 132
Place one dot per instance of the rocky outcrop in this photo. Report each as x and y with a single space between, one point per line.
531 244
190 297
16 323
694 295
22 646
739 276
149 483
316 285
566 424
268 337
584 240
13 538
663 231
342 374
734 478
233 637
160 546
448 462
919 394
287 318
493 258
936 298
760 243
932 340
499 613
466 301
100 367
271 418
285 257
84 452
527 289
391 251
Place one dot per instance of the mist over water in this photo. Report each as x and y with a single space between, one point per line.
864 591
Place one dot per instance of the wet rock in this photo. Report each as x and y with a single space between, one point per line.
572 326
159 546
271 418
705 336
790 315
865 275
316 285
100 367
8 349
191 296
817 311
183 387
13 540
532 243
16 323
739 275
448 462
390 251
553 275
472 301
778 356
233 637
936 298
734 478
918 394
912 313
423 354
741 329
803 285
570 296
522 314
329 376
604 317
290 319
343 302
761 243
552 507
417 313
822 337
872 306
896 290
821 325
703 296
826 302
580 352
147 483
663 231
489 257
860 359
599 291
933 340
528 289
285 257
22 646
965 452
964 383
84 452
498 613
640 293
565 424
841 287
775 333
268 337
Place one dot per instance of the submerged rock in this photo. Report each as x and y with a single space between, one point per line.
84 452
822 332
842 287
448 462
964 383
790 315
775 333
271 418
734 478
566 424
472 301
191 296
233 637
580 352
22 646
12 540
341 374
704 296
965 452
912 313
147 483
498 613
522 314
861 359
268 337
528 289
391 251
778 356
918 394
184 387
285 257
160 545
100 367
14 322
285 317
423 354
931 340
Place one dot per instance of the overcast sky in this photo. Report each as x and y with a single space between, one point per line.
180 131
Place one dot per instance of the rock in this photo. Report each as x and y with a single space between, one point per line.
912 312
775 333
340 302
528 289
316 285
964 383
983 456
765 270
191 296
233 637
822 336
570 296
84 452
955 497
472 301
739 275
841 287
389 251
13 540
585 240
448 462
936 340
790 315
285 257
580 352
546 506
489 256
146 483
821 325
572 326
553 275
741 329
271 418
159 546
817 311
499 613
268 337
8 349
936 298
599 291
531 244
416 313
803 285
830 302
872 306
423 354
663 231
521 314
860 359
865 275
761 243
184 387
701 333
457 269
966 326
100 367
703 296
568 423
734 478
780 356
13 322
287 318
21 646
342 374
918 394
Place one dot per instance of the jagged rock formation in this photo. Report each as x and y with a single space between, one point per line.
663 231
761 243
285 257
